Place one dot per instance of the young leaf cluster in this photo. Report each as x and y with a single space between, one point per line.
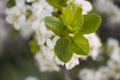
10 3
72 22
34 47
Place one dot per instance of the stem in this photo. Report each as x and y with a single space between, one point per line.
66 74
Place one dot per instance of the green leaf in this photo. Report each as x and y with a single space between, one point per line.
79 45
91 23
55 25
57 3
10 3
14 32
28 13
34 47
73 19
62 50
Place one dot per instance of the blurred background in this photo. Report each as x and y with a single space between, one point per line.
17 61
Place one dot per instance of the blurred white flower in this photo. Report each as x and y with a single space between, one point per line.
20 3
114 62
90 74
72 63
108 7
114 68
114 49
16 16
86 6
95 45
103 70
42 9
31 78
45 60
51 43
46 57
111 70
42 34
87 74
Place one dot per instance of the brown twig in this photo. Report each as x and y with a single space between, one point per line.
66 74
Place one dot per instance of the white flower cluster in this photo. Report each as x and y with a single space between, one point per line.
108 7
108 72
86 6
27 18
38 9
95 45
90 74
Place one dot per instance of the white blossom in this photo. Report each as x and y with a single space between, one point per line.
114 49
16 15
111 70
103 70
86 6
87 74
20 3
114 62
91 74
42 34
108 7
95 45
42 9
72 63
45 60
